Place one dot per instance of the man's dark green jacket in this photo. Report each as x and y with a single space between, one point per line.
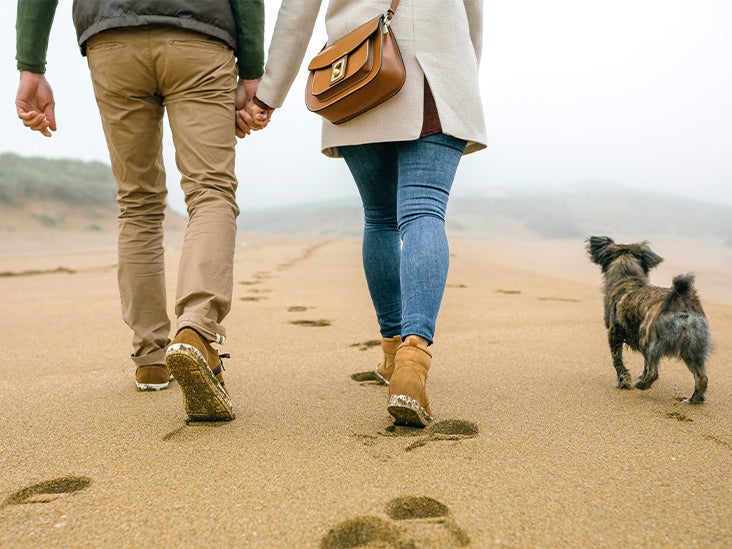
239 23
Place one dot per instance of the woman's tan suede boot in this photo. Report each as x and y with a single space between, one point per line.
385 370
408 399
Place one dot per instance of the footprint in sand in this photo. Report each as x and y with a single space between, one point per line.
363 532
559 299
509 292
311 323
367 378
366 345
415 522
678 416
256 297
64 270
47 491
447 429
262 275
437 431
286 265
297 309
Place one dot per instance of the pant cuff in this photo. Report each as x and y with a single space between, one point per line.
155 357
211 331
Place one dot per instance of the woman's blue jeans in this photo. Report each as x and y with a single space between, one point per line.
404 188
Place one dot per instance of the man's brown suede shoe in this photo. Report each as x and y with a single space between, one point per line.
153 377
386 369
408 399
189 358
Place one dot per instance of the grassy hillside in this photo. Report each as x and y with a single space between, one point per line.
73 194
42 193
69 182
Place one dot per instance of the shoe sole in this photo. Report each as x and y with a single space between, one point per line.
381 378
152 386
407 411
205 399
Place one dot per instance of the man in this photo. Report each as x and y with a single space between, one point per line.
147 57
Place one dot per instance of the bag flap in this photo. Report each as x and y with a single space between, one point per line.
342 46
358 62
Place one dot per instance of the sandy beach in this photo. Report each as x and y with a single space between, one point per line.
532 444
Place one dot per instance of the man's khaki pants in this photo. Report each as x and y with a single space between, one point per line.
137 74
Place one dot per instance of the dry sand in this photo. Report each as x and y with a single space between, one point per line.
533 446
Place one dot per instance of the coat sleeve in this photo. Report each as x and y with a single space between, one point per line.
290 39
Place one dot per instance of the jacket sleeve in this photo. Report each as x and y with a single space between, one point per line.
474 11
32 30
249 19
290 39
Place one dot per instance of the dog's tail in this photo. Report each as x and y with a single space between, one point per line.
683 328
683 284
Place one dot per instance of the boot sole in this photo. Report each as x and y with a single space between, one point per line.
381 378
407 411
152 386
205 399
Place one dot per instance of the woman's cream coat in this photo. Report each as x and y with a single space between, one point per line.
439 39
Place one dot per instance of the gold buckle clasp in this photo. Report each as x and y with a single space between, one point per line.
339 69
385 24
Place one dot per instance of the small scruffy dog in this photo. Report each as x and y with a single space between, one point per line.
654 321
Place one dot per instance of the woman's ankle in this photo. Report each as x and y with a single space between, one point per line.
418 340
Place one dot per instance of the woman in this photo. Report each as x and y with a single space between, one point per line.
403 156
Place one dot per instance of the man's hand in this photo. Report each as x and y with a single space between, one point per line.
34 103
250 112
245 90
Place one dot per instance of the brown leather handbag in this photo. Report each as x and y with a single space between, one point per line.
356 72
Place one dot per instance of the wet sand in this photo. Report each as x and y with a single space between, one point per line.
533 446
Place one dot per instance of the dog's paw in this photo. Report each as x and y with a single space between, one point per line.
694 399
642 385
624 381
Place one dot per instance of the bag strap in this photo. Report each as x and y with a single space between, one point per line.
392 9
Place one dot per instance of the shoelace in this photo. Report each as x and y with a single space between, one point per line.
216 371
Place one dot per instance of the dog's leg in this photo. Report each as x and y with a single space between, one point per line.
650 373
616 340
700 381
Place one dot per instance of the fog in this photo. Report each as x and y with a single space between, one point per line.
629 93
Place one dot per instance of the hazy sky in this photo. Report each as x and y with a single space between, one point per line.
634 92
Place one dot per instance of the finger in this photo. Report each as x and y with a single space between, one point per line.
35 123
242 123
250 122
242 130
50 114
28 115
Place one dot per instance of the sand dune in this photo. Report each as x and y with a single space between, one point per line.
533 446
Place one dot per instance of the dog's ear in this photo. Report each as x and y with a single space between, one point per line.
602 250
646 256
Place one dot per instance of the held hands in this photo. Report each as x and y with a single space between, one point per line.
250 116
34 103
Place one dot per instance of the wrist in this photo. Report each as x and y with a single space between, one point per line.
31 73
261 104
